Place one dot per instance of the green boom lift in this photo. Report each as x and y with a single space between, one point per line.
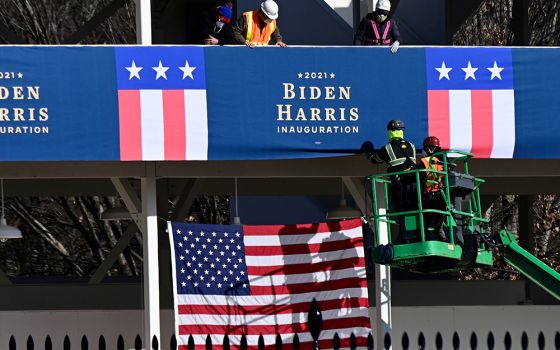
413 246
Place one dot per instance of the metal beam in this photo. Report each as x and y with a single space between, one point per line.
110 259
186 200
356 189
130 199
94 22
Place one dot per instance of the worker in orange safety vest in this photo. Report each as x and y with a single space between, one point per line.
432 186
259 27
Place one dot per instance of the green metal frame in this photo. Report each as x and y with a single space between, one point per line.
529 265
429 256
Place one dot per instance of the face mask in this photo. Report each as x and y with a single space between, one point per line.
381 18
219 25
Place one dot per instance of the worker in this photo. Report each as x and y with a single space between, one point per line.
377 28
400 156
258 27
216 25
432 197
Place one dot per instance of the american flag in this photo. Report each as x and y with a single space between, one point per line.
162 103
471 104
261 280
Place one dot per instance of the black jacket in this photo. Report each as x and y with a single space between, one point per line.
365 34
399 154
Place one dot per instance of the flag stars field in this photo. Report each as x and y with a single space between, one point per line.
161 71
470 71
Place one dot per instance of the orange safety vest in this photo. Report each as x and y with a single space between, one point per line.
254 33
433 180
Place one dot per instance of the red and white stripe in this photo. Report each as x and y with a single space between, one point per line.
163 124
477 121
288 266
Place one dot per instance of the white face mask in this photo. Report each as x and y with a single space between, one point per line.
380 17
219 26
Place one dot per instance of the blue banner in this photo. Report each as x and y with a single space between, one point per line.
235 103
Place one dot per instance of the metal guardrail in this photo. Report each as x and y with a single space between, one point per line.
404 341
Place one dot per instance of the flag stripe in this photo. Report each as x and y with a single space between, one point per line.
151 105
317 238
482 123
306 268
320 276
296 327
130 130
438 116
260 300
504 117
274 261
460 113
174 124
271 309
321 228
196 125
261 318
301 249
304 287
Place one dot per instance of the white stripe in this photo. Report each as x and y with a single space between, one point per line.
503 108
196 114
311 238
267 319
151 107
317 277
460 115
279 260
343 333
279 299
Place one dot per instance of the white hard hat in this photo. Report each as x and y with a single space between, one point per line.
383 5
270 9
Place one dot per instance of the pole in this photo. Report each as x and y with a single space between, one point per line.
143 22
383 318
150 254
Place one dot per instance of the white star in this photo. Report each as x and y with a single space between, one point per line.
184 284
178 232
187 70
196 284
443 71
225 234
496 71
190 233
469 70
333 75
182 270
134 71
219 285
180 244
300 75
237 234
208 285
160 70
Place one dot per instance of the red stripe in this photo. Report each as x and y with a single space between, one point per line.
304 248
306 268
349 322
130 125
438 116
482 123
174 124
274 230
354 282
323 344
324 305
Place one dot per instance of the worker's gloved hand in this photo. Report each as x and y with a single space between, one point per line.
395 47
367 147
